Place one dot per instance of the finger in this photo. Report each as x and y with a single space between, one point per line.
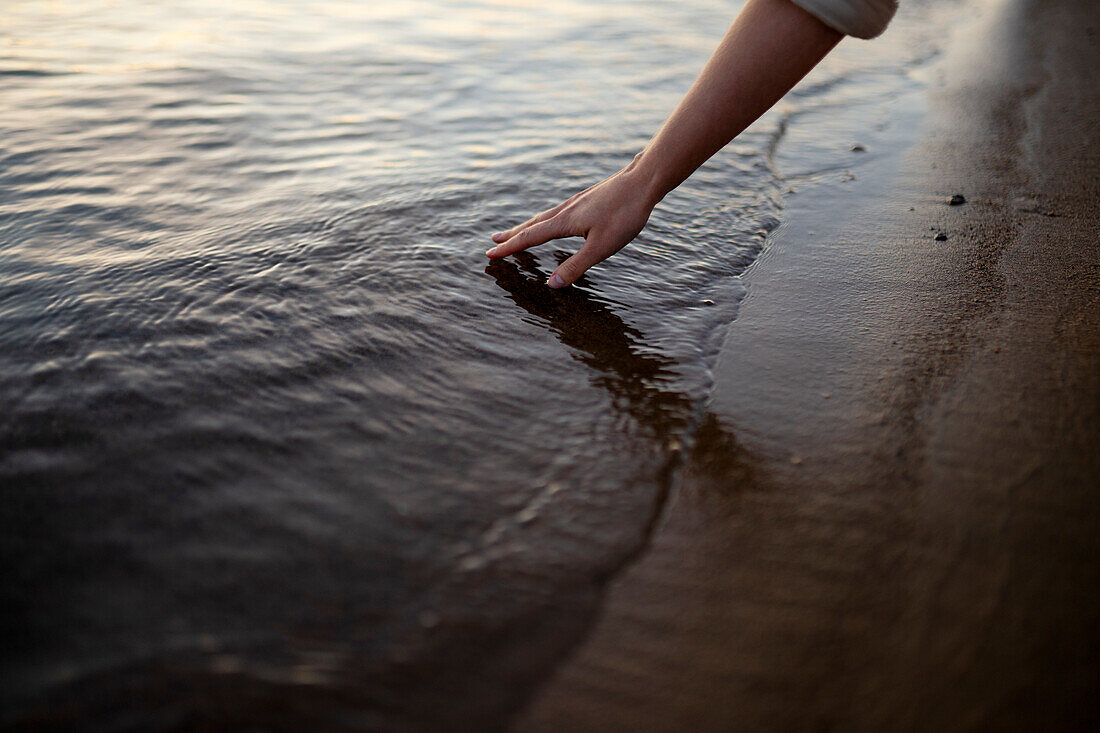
532 236
507 234
542 216
570 271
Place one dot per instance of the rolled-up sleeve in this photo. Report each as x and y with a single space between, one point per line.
859 18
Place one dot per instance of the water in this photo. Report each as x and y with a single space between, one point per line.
277 447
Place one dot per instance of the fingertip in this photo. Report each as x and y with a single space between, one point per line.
555 281
497 236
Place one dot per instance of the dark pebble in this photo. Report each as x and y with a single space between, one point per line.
957 200
857 148
708 302
941 237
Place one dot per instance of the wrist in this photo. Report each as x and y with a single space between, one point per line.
645 175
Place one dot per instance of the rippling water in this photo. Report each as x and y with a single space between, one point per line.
277 447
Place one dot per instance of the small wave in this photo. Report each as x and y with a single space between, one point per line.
260 387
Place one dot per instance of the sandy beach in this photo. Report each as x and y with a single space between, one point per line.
897 527
281 449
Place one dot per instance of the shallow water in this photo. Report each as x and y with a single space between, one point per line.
276 445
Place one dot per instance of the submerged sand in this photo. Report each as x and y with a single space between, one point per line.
897 525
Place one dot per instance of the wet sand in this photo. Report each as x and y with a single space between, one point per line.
897 527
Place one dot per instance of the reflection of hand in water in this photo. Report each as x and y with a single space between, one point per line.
639 382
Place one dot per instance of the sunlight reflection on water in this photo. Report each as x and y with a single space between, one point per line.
276 444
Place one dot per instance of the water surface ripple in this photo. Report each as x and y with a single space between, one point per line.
277 448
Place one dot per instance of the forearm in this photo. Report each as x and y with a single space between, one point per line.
770 46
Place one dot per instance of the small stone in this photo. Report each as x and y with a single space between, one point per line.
857 148
957 200
708 301
941 237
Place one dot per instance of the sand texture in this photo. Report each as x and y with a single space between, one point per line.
897 525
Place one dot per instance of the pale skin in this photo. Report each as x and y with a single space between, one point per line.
770 46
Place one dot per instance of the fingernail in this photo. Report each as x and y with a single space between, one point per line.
490 252
556 282
497 236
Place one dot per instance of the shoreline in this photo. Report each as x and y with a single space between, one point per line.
895 527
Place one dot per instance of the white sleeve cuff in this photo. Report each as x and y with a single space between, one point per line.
859 18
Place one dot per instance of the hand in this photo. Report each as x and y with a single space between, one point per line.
608 215
771 45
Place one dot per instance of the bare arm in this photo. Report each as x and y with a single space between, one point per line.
771 45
